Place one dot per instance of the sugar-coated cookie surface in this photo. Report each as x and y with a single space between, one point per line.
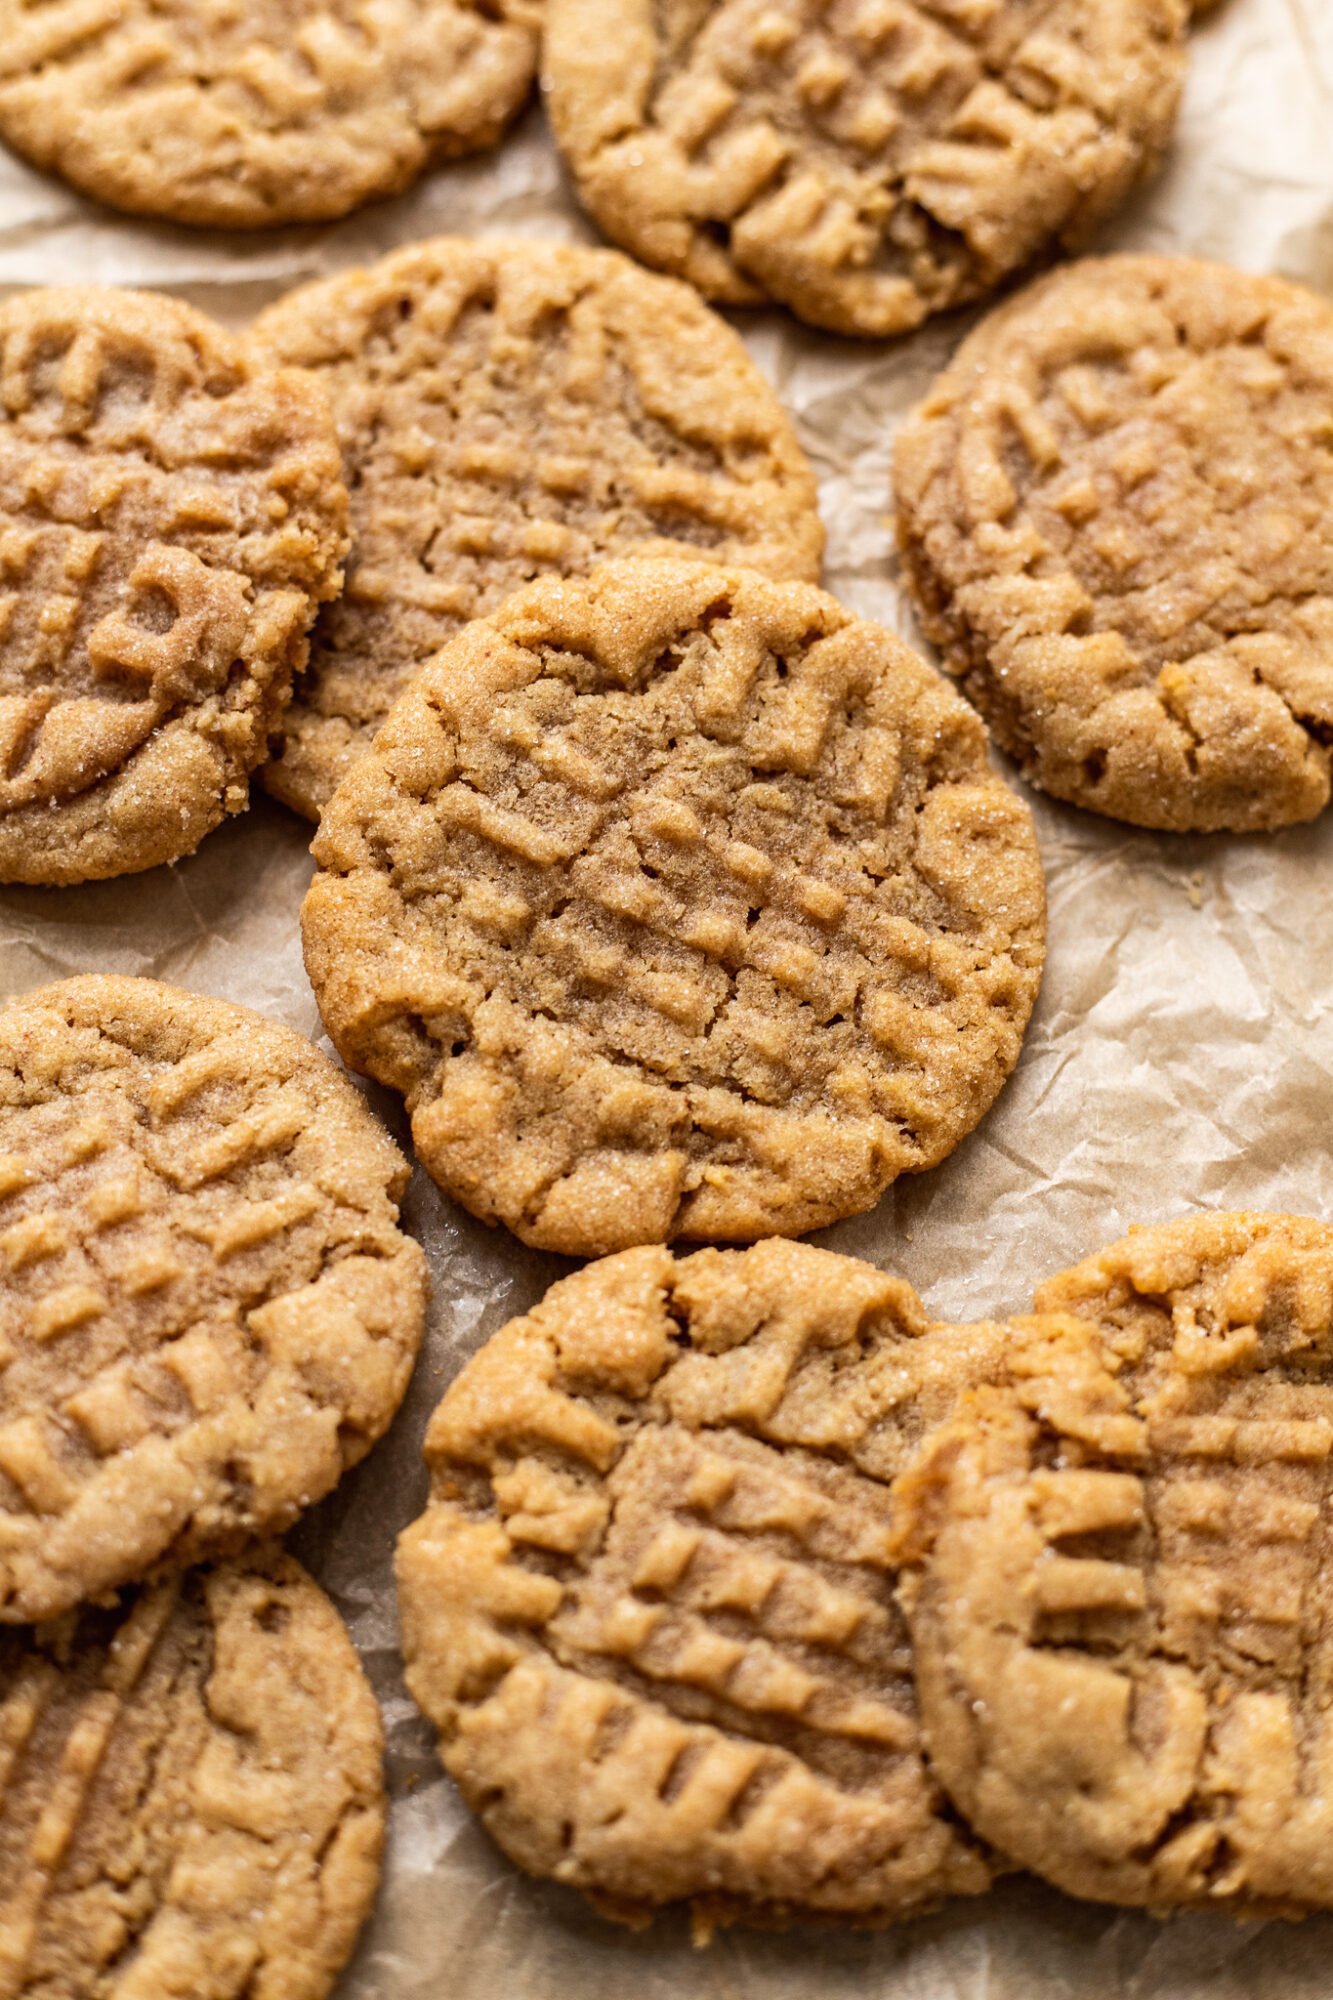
865 162
238 113
649 1605
507 410
207 1309
1121 1600
677 902
1114 508
171 513
191 1798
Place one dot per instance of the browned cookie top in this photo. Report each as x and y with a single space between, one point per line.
650 1607
1123 1613
677 902
207 1309
866 162
191 1800
1116 509
237 113
171 512
509 410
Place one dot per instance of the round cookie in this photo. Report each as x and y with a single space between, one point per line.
1122 1611
509 410
649 1607
207 1309
240 113
1114 509
191 1795
866 163
171 513
677 902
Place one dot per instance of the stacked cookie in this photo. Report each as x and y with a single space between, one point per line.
207 1312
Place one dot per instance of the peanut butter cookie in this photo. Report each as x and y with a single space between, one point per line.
508 410
238 113
207 1309
865 162
649 1606
677 902
1123 1615
1115 511
191 1799
171 513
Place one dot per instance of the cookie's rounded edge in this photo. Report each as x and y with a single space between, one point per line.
317 750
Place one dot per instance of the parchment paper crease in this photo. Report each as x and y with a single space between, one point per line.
1181 1057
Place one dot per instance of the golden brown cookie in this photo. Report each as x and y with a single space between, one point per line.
191 1799
865 162
171 513
207 1309
1115 511
509 410
238 113
677 902
1122 1611
649 1606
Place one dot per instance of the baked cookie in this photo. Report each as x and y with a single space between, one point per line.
649 1605
207 1309
191 1799
1122 1618
238 113
1115 509
508 410
868 162
677 902
171 513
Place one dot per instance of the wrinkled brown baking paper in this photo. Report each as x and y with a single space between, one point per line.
1181 1057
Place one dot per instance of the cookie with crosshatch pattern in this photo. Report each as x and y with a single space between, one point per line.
191 1795
241 113
207 1308
1113 507
508 410
864 162
650 1605
171 513
677 902
1119 1586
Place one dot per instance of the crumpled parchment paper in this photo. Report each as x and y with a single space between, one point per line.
1181 1057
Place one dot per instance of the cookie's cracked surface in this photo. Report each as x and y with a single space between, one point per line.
171 513
238 113
865 162
649 1606
1115 509
191 1798
509 410
1122 1611
677 902
207 1309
